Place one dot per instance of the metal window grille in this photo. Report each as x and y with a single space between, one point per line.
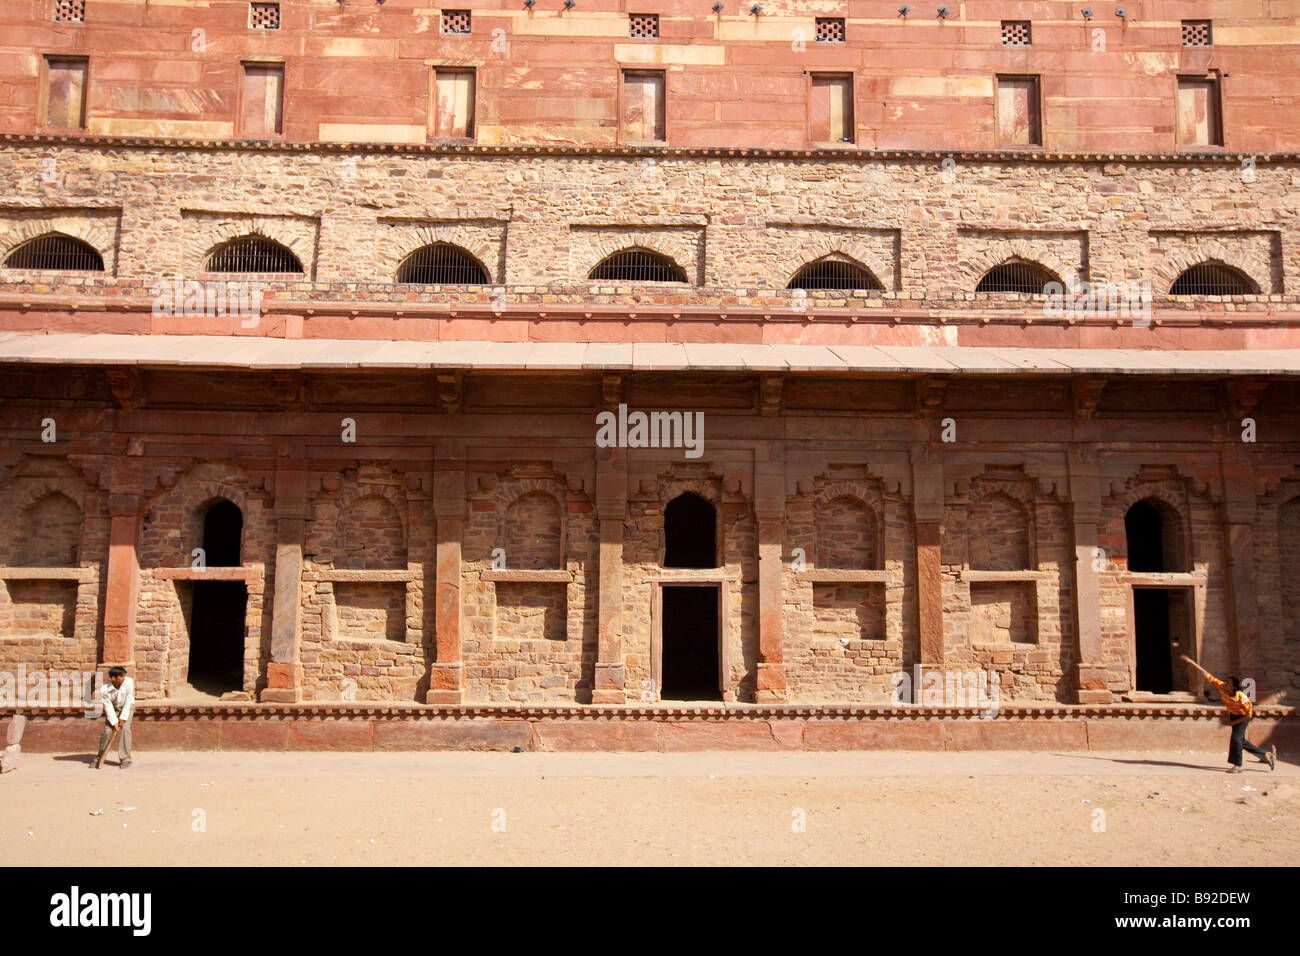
638 265
264 16
55 252
1197 33
441 264
1211 278
1016 33
253 254
643 25
834 274
830 30
455 21
70 11
1022 277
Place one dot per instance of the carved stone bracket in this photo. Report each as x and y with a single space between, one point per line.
126 385
1087 391
769 394
930 392
450 390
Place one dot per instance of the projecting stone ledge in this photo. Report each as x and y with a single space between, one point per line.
267 354
663 728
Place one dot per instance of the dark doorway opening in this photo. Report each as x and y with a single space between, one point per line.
217 618
691 662
223 526
1162 632
690 533
1155 539
1151 620
217 636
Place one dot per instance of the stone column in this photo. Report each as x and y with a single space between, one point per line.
1239 551
769 507
927 509
450 507
120 596
1085 513
284 670
611 510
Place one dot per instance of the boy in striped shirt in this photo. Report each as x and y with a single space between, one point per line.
1242 711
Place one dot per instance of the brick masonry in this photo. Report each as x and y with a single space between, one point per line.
451 548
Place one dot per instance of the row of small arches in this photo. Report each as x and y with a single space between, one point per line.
442 263
369 534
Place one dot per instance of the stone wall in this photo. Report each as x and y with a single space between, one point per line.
551 75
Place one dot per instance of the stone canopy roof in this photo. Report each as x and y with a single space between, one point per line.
267 354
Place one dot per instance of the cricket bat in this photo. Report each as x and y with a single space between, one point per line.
99 761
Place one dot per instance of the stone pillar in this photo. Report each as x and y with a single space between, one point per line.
1239 552
120 596
1085 513
769 507
611 510
450 507
284 670
927 509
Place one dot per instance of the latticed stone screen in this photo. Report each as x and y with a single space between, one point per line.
830 30
1197 33
1016 33
643 25
264 16
455 21
70 10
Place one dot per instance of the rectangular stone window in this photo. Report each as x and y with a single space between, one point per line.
1003 612
65 92
264 16
1199 119
643 25
261 103
453 104
830 108
1197 33
1019 111
642 118
1016 33
70 11
455 21
830 30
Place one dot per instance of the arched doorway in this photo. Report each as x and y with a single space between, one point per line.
1161 615
217 616
690 533
690 613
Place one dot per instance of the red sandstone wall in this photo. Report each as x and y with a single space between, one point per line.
361 72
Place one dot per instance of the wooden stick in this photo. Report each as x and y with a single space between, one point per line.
99 761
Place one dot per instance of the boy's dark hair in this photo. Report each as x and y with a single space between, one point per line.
117 672
1235 681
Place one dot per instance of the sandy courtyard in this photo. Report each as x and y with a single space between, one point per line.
892 809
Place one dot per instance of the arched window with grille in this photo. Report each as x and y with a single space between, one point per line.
55 252
638 265
1017 275
1213 278
253 254
441 263
832 273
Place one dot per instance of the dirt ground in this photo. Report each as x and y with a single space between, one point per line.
893 809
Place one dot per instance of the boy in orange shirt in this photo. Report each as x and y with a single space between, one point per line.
1242 710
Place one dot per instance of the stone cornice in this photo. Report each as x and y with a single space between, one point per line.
577 151
163 711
